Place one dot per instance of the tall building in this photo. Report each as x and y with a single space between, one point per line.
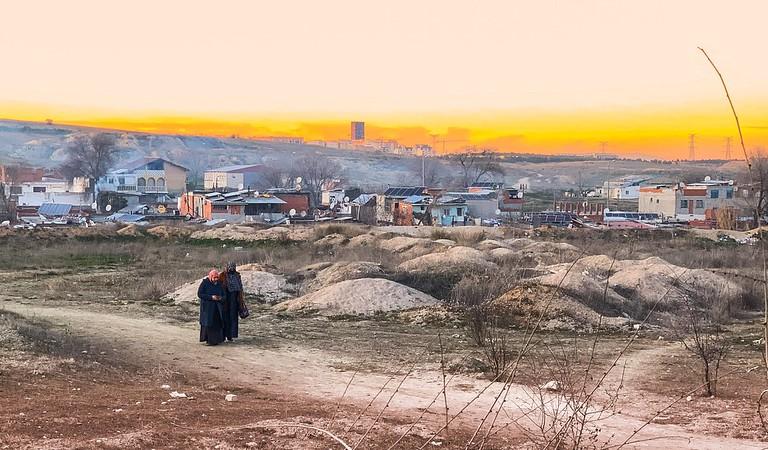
357 131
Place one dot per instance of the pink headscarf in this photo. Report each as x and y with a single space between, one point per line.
213 273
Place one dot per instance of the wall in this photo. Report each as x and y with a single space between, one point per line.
175 179
657 200
485 209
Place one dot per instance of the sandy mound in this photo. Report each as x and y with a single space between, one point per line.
364 240
453 259
343 271
490 244
446 242
634 286
166 232
267 287
247 233
362 296
332 240
544 252
400 244
129 230
525 303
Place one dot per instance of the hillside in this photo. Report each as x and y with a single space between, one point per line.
43 145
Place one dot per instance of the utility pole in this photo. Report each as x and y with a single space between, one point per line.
728 148
692 147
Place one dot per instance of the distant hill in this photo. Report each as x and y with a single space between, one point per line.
43 145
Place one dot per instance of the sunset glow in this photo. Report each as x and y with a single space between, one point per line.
547 77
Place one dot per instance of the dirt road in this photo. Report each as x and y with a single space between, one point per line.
297 371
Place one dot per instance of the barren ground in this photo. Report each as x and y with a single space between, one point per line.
87 363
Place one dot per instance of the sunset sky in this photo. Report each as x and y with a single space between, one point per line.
526 76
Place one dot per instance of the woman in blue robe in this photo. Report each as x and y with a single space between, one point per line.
232 284
211 294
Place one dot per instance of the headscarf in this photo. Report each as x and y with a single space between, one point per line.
213 273
234 283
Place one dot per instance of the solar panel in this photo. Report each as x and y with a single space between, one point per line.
54 209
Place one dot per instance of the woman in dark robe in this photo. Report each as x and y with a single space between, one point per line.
211 295
233 298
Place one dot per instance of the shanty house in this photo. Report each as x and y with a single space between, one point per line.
392 208
480 203
449 211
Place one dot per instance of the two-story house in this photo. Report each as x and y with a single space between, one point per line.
145 176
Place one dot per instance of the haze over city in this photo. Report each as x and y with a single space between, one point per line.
541 77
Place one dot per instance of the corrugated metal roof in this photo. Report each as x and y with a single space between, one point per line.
238 168
362 199
413 199
54 209
265 201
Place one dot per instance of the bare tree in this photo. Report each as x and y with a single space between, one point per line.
428 171
10 178
760 182
701 333
316 171
279 176
90 156
478 165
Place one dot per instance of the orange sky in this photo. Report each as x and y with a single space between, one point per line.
545 76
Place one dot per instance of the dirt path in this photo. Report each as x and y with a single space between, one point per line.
301 372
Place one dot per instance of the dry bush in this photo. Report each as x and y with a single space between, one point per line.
700 331
349 231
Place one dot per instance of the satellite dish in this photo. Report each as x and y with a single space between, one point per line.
298 187
292 212
256 193
346 199
94 205
108 208
498 211
303 214
298 180
707 178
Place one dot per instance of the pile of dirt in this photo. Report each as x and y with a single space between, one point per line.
167 232
129 230
248 233
343 271
544 252
527 302
364 296
332 240
446 242
634 286
491 244
266 287
363 240
454 259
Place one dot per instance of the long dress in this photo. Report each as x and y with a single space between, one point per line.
233 294
211 312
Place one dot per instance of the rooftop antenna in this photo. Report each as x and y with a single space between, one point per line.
692 147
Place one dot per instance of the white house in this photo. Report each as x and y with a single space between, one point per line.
53 190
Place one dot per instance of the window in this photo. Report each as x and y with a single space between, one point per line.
121 180
15 190
459 211
699 204
683 203
38 189
714 194
729 193
657 201
446 212
155 165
